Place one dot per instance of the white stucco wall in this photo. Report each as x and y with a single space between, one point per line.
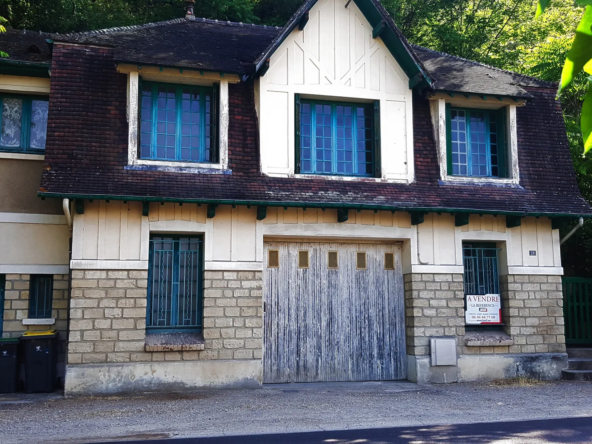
115 235
335 56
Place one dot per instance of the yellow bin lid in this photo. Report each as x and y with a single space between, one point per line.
40 333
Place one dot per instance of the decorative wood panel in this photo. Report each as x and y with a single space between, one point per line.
343 324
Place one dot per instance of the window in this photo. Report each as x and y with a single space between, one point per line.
40 296
178 123
175 284
481 278
337 138
23 123
303 259
332 260
389 261
361 260
476 142
273 259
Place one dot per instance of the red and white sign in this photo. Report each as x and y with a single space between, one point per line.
483 309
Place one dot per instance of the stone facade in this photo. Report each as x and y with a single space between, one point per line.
532 311
108 312
434 306
16 305
532 308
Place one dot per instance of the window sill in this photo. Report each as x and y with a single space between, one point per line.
164 342
48 321
479 181
344 178
178 167
21 156
487 339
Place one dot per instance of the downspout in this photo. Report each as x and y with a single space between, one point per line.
418 258
572 232
66 208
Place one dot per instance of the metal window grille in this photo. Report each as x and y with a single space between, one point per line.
40 296
175 284
2 286
577 310
481 269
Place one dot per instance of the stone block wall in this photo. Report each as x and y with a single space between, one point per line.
532 309
434 306
108 318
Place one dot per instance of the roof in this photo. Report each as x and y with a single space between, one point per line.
25 46
451 73
208 45
87 145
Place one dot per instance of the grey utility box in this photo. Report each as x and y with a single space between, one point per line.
443 351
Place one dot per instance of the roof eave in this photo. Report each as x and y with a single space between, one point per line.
26 69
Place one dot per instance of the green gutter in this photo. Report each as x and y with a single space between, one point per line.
27 69
350 206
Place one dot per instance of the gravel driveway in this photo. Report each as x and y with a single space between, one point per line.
285 408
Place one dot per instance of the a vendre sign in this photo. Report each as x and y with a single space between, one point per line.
483 309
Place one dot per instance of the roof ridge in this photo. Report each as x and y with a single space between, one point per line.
157 24
495 68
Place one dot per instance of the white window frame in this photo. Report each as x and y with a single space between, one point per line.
438 112
133 106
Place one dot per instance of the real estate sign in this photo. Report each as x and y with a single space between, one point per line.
483 309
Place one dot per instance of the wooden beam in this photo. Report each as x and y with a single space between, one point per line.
264 68
461 219
79 206
381 26
212 211
415 80
342 215
261 213
417 217
513 221
145 208
303 21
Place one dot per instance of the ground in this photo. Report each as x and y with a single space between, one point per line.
292 409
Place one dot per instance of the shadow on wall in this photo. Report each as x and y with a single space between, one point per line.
571 430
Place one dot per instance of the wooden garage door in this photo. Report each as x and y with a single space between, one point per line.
333 312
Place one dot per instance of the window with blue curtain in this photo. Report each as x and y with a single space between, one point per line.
476 142
40 296
336 138
175 284
23 125
178 123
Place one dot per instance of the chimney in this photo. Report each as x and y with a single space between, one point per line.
189 9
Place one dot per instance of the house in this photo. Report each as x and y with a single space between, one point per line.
320 202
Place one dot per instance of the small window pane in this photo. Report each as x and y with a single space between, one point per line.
303 259
361 260
39 109
12 113
40 296
389 261
332 260
273 259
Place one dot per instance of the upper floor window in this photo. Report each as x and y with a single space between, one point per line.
178 123
337 138
476 142
23 123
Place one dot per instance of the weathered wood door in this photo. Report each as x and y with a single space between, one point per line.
333 312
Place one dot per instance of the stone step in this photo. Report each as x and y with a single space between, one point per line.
579 353
580 364
577 375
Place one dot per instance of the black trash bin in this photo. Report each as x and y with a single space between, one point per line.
41 358
9 365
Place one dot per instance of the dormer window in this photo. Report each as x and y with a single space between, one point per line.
476 142
337 138
178 123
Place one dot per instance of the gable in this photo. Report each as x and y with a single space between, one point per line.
335 57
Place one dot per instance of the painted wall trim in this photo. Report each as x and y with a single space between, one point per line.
34 269
49 321
27 218
22 156
233 266
433 269
108 265
550 271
